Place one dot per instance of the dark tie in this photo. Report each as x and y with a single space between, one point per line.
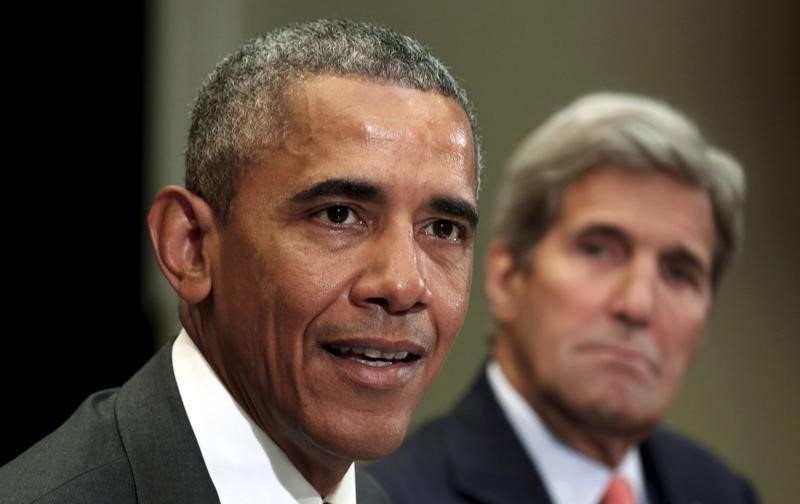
618 492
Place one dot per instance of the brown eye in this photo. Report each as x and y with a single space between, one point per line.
593 249
445 230
338 214
679 274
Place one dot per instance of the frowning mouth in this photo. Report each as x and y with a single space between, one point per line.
622 354
371 356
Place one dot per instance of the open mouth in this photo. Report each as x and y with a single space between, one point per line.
370 356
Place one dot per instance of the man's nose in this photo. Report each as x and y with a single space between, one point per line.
393 274
634 298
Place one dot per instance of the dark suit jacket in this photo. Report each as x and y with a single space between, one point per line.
128 445
473 455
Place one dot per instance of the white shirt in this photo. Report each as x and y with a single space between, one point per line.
569 476
245 465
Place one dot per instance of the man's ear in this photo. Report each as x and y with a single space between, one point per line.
183 231
502 283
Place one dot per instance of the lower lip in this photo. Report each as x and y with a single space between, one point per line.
374 377
628 359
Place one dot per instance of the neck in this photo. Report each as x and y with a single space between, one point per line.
323 470
591 434
608 448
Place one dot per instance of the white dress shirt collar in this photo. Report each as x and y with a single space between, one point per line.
245 465
569 476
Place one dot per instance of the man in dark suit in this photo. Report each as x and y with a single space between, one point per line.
322 254
614 226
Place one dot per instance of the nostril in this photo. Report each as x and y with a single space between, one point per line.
382 302
631 321
386 305
417 307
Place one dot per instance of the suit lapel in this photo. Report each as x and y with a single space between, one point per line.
485 458
368 490
662 487
164 456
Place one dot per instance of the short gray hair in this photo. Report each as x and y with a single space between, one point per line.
623 130
239 109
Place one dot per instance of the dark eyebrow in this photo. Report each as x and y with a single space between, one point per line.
345 188
366 191
678 251
688 257
455 207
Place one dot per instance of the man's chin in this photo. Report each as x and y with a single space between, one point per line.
365 441
625 407
615 415
621 420
376 451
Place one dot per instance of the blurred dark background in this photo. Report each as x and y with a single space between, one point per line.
74 152
97 117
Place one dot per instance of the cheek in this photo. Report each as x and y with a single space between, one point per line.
557 312
678 349
679 333
681 324
273 296
307 281
567 303
450 289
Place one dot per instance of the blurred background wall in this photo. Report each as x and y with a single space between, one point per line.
733 66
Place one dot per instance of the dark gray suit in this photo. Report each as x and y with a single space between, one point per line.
472 455
128 445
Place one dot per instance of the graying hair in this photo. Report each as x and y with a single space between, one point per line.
239 109
622 130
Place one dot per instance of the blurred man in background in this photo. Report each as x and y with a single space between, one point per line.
614 227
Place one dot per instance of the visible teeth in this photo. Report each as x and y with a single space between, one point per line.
375 363
372 353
